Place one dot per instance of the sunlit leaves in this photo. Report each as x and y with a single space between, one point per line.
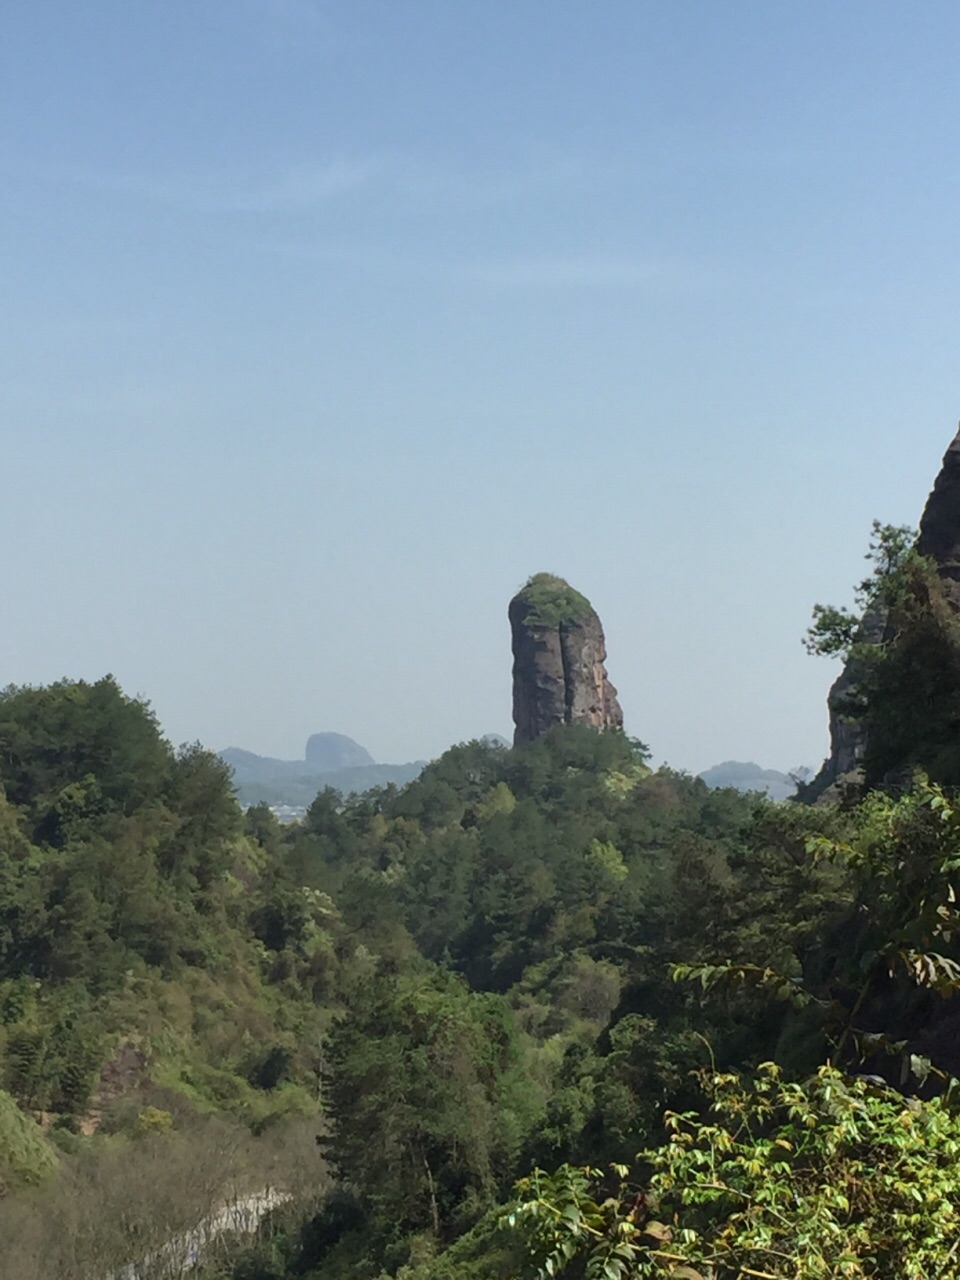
782 1180
837 632
736 976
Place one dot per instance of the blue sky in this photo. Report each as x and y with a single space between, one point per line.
324 325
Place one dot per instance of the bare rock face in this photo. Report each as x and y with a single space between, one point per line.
848 733
559 653
848 736
940 525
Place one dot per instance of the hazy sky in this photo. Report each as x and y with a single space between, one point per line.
324 325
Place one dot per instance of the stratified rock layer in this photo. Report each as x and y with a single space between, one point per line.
559 652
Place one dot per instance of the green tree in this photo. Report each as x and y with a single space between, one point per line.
426 1101
839 632
829 1177
902 649
200 794
73 749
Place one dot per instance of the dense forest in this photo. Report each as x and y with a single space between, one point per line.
543 1011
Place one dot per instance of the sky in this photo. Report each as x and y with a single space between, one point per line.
323 325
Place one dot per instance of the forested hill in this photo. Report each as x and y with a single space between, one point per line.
525 957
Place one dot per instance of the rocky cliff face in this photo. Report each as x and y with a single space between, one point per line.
940 525
559 676
940 540
848 735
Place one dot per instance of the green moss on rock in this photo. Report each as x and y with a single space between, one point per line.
552 602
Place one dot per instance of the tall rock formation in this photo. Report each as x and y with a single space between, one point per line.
559 653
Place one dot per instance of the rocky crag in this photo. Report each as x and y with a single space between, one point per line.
939 540
559 652
848 735
940 526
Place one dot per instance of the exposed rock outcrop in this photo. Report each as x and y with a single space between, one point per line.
848 733
940 525
559 676
940 540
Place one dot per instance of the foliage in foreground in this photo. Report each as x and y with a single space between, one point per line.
838 1174
782 1181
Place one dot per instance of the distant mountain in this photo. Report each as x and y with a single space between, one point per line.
330 760
747 776
330 751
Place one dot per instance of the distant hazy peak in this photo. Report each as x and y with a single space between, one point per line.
329 751
746 776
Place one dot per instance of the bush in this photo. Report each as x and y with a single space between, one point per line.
26 1157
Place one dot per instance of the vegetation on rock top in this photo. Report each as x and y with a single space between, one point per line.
552 602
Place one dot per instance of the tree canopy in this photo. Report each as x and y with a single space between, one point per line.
713 1025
